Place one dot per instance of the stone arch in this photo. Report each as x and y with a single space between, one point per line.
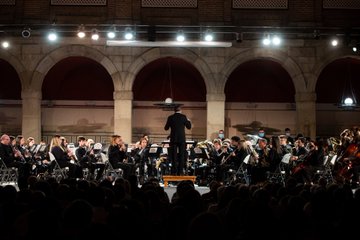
70 51
184 54
319 67
283 59
17 65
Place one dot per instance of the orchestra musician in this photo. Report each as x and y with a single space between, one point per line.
13 158
88 160
63 157
117 156
140 158
235 158
259 169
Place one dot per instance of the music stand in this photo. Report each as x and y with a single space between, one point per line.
155 151
200 153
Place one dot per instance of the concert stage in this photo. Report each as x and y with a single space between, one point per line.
170 189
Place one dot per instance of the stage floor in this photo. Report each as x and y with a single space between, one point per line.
170 189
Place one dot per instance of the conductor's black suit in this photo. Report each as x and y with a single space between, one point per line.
177 123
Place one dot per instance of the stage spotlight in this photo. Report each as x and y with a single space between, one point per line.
26 33
266 40
111 33
128 34
334 42
5 44
208 37
95 34
52 36
180 37
276 40
81 31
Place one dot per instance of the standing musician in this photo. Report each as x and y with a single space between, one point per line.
117 155
259 169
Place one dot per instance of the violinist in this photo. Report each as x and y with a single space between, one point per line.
117 155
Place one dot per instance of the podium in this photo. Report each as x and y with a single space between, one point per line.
173 178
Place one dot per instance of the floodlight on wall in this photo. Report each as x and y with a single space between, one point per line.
128 33
111 34
81 31
180 37
95 34
276 40
266 40
5 44
26 33
208 35
334 42
52 35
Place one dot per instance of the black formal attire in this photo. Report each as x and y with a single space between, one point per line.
116 158
63 159
177 124
90 161
7 155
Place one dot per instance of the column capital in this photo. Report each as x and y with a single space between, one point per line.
305 97
215 97
29 93
123 95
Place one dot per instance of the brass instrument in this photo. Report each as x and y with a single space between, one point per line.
159 161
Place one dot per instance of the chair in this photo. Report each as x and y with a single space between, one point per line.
8 175
56 171
110 171
326 170
279 175
241 175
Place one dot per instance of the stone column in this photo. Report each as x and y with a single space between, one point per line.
31 114
215 114
123 114
306 114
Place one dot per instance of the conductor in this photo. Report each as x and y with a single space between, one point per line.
177 123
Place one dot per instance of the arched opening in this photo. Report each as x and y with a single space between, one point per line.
78 100
163 78
259 94
331 85
10 96
169 77
78 78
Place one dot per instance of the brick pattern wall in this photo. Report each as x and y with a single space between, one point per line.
7 2
302 11
169 3
79 2
341 4
185 12
261 4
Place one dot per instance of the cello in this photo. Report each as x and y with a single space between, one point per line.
346 162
